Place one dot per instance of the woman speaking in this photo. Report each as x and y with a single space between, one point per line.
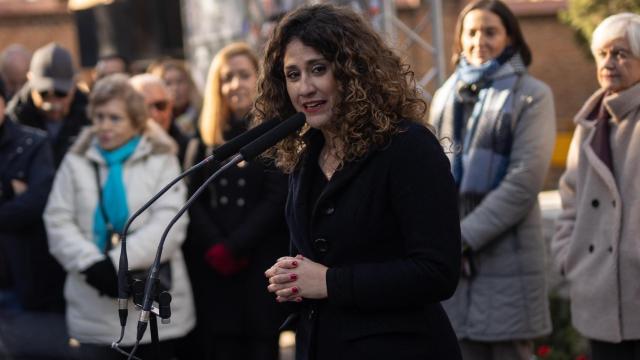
371 207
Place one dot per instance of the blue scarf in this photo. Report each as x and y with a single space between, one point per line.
470 81
114 194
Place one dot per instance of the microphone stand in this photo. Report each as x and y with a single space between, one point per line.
124 283
248 151
149 313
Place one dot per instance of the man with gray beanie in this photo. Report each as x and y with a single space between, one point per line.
50 100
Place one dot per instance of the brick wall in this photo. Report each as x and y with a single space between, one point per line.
557 60
34 24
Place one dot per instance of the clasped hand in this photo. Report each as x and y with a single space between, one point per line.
295 278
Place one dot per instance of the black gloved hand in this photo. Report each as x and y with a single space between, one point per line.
103 277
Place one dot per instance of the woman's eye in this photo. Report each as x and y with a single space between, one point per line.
622 54
292 75
318 69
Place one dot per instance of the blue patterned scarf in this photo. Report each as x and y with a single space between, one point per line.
478 118
471 84
114 194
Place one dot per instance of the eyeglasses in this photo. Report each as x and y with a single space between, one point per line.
160 105
54 93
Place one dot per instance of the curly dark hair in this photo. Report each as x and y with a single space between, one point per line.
376 89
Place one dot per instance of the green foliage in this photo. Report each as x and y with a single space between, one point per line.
584 15
565 343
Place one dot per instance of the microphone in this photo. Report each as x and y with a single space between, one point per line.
247 152
221 153
264 142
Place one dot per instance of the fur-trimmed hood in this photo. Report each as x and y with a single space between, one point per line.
154 141
69 218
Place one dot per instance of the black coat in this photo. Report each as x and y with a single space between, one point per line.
244 209
182 141
22 110
387 227
25 155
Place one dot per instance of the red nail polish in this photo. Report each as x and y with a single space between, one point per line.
295 263
294 290
298 299
294 277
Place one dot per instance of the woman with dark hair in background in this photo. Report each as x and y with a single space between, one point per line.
371 209
238 226
500 125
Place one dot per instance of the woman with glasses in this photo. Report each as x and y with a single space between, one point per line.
159 107
237 226
186 99
111 171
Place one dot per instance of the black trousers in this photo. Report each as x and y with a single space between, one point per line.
243 348
626 350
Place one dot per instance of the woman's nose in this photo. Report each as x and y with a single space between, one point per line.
478 39
609 61
235 82
306 86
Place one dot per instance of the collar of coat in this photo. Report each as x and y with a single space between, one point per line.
315 141
619 105
22 110
154 141
12 132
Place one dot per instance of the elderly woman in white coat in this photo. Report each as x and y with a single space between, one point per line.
131 159
497 123
597 241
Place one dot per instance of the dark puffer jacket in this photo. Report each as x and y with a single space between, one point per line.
25 155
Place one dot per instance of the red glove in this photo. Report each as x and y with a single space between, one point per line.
220 259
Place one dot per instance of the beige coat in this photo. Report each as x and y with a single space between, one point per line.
597 239
69 215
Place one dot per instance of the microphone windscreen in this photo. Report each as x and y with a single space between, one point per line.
272 137
232 146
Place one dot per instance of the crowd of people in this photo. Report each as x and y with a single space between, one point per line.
384 227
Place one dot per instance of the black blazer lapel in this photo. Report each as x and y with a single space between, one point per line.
342 178
300 186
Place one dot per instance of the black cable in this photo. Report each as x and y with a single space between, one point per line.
152 278
123 352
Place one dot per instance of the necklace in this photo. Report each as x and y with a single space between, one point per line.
328 161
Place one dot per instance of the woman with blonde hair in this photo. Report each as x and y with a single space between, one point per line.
238 226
